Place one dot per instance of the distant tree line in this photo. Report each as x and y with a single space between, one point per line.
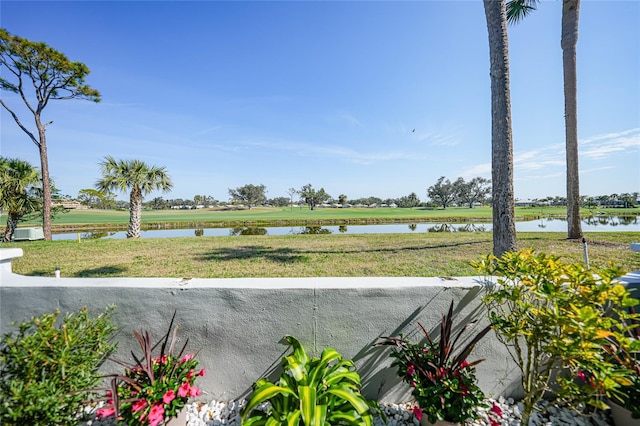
442 194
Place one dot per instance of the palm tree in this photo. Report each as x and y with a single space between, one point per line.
518 9
504 228
137 176
17 181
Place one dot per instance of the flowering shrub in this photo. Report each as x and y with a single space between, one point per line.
154 389
443 385
564 325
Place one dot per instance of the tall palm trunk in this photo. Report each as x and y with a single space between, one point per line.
570 15
135 213
504 229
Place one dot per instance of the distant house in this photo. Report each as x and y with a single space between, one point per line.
69 205
524 203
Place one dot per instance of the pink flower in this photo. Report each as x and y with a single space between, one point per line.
493 422
187 357
417 412
464 363
202 372
190 374
156 415
194 391
105 412
169 396
184 389
410 370
581 376
138 405
495 409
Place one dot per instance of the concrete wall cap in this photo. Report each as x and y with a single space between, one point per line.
10 253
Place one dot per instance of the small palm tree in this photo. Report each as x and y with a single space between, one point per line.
17 182
137 176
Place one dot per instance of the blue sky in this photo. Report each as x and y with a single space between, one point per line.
283 94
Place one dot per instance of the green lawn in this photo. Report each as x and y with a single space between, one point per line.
424 254
382 255
79 219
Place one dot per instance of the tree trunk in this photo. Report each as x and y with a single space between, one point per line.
570 14
504 229
46 186
135 213
12 224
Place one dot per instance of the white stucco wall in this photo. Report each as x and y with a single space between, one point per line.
237 325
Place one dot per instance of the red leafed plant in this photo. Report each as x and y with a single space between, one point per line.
153 389
443 381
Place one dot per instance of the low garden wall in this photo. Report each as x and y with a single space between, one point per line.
237 326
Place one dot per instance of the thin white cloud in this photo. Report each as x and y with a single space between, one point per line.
333 152
483 169
610 136
602 147
207 130
350 119
596 169
551 157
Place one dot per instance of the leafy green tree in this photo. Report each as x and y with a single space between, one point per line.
95 198
313 197
252 195
442 192
476 190
342 199
204 200
628 200
292 192
17 182
409 201
504 226
136 176
158 203
39 74
279 202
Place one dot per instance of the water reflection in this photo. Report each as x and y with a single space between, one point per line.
96 235
441 227
240 230
611 220
465 227
595 223
472 227
314 230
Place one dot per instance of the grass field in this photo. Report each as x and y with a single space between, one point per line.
117 219
391 255
422 254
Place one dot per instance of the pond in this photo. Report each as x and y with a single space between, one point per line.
590 224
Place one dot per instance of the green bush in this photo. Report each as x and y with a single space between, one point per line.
310 391
45 367
561 322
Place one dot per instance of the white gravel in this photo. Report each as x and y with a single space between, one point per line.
216 413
